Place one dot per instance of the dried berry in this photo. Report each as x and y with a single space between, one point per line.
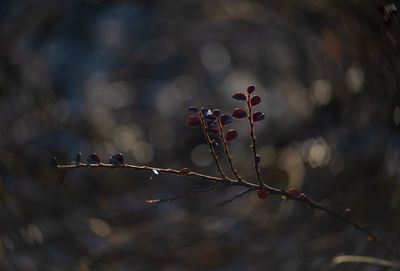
239 113
251 89
93 159
117 159
193 109
217 112
239 96
255 100
193 121
226 119
231 134
257 116
262 193
294 192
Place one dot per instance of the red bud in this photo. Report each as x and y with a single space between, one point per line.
262 193
231 134
193 121
255 100
239 96
239 113
251 89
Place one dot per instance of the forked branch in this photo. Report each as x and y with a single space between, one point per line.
213 122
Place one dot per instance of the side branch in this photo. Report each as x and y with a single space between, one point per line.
301 198
253 142
210 146
179 172
227 151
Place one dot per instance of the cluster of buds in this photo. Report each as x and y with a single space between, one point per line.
214 121
211 119
251 101
93 159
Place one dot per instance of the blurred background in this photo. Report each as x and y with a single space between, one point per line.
118 76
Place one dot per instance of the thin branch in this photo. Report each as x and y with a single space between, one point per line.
250 186
188 194
253 141
179 172
227 151
210 146
242 193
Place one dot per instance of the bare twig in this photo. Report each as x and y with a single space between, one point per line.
253 142
179 172
250 186
227 151
188 194
210 146
242 193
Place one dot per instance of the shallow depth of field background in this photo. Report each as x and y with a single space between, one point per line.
106 77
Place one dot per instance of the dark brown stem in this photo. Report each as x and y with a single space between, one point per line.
253 142
188 194
179 172
227 151
231 182
239 195
210 146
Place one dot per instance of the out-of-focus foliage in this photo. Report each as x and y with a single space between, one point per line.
117 76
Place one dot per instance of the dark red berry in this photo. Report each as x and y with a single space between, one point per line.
251 89
257 116
294 192
193 121
231 134
93 159
226 119
255 100
117 159
262 193
239 96
239 113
